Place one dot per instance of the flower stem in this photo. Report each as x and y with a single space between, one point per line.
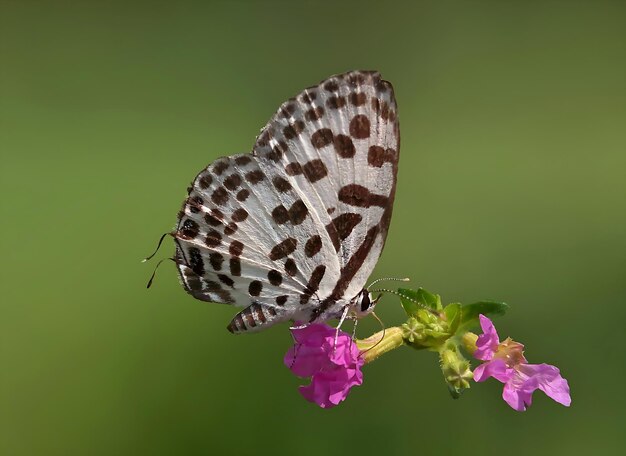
380 343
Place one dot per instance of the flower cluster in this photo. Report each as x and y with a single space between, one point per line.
332 360
506 363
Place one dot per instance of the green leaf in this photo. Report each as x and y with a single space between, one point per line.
487 308
427 298
422 297
454 315
408 299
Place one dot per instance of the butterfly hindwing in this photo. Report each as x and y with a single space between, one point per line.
295 228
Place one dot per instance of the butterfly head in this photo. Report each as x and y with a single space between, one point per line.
363 303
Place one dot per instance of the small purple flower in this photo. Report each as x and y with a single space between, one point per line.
506 363
333 369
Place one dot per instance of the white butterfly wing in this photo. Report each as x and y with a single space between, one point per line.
294 229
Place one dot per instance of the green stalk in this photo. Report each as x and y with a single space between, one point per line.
380 343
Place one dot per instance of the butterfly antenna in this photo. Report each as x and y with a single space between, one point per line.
157 249
155 270
385 290
406 279
382 325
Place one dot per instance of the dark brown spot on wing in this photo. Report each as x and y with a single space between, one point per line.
220 167
240 215
313 246
219 196
291 131
277 151
232 182
377 156
322 138
230 229
280 214
212 219
283 249
205 181
308 97
213 238
345 223
235 248
275 277
288 110
360 127
216 260
331 86
314 283
212 286
243 160
358 98
344 146
235 266
314 114
264 138
341 227
375 104
281 184
359 196
336 102
383 86
293 169
281 300
315 170
298 212
226 280
242 195
255 288
189 229
254 177
356 78
290 267
195 261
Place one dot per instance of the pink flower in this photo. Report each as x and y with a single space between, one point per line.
333 369
506 363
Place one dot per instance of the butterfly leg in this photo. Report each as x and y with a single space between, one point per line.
344 315
256 317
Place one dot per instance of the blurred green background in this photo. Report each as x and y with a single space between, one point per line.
512 187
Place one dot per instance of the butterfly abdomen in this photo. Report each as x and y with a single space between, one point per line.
254 318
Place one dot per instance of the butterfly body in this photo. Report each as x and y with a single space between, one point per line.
293 230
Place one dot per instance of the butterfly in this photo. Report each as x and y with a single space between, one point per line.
292 231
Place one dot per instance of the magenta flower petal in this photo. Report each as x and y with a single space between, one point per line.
487 343
548 379
304 360
334 367
496 368
329 388
518 399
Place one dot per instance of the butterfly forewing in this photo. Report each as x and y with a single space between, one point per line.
294 229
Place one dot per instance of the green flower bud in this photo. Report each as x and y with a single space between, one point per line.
456 371
469 342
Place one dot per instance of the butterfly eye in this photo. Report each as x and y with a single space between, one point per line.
365 301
